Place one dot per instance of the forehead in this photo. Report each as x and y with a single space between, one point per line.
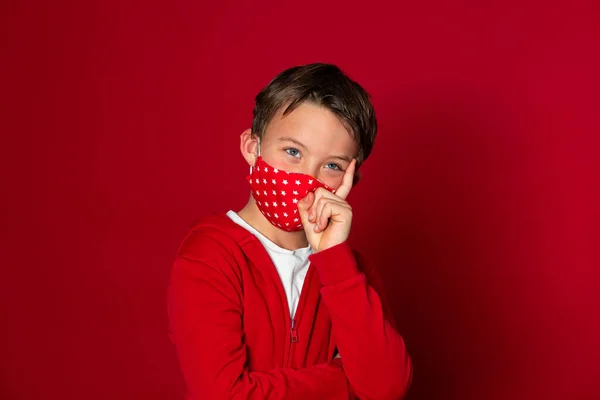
315 126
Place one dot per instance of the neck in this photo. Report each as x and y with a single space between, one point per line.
283 239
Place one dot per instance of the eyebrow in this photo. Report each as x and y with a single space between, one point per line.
289 139
347 159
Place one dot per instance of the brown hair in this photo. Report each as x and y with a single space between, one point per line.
325 85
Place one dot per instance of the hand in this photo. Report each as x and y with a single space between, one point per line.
327 217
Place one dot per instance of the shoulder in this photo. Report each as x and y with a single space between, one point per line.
213 239
209 264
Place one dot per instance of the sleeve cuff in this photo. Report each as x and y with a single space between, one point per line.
335 264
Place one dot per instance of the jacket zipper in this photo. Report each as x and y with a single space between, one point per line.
293 339
303 294
294 333
295 320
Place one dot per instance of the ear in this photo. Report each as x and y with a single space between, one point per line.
249 146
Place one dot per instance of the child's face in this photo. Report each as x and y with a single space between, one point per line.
309 140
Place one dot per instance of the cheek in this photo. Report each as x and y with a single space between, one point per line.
331 181
277 160
285 162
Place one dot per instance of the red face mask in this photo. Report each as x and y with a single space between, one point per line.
278 192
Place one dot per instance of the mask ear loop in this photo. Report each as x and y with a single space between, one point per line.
258 154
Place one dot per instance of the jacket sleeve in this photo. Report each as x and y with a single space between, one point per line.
205 312
374 356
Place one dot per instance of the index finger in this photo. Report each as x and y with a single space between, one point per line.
344 190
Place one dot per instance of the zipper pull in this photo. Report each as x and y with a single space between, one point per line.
294 333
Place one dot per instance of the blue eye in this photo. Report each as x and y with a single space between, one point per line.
293 152
334 166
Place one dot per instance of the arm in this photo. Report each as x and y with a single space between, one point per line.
205 319
374 355
375 358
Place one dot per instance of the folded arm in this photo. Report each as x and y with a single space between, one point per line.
374 355
205 311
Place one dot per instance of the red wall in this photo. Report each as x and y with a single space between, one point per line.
479 204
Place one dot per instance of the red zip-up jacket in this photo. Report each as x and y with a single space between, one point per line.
230 322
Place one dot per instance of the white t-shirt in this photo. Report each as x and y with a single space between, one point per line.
291 265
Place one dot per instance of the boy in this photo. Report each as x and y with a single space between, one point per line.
271 302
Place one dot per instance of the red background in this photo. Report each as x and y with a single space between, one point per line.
479 204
